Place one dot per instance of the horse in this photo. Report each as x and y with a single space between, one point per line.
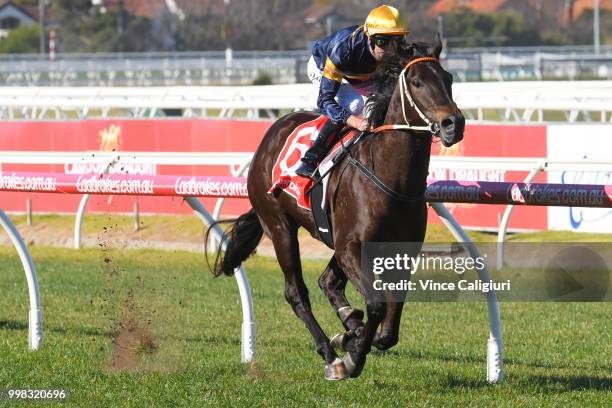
375 194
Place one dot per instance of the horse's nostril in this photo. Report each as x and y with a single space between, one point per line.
447 122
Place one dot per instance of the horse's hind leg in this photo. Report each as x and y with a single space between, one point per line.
333 283
286 245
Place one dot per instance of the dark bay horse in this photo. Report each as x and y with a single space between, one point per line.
415 93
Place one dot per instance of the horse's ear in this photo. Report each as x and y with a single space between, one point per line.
436 47
406 51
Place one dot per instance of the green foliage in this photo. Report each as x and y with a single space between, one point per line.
30 3
263 78
581 31
279 24
200 33
471 29
261 25
24 39
606 26
84 28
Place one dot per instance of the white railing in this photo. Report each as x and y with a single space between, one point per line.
506 101
243 67
126 158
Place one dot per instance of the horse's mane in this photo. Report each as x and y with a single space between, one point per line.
385 79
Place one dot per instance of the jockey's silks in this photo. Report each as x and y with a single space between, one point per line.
342 55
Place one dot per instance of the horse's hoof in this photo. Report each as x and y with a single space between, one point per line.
354 370
337 341
336 371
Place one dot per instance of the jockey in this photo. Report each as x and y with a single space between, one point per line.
341 67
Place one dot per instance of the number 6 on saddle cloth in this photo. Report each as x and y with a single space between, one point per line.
310 194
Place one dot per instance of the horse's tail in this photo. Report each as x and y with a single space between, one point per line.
242 238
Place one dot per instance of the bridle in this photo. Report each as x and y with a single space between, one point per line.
406 95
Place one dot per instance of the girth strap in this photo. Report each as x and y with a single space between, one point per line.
381 185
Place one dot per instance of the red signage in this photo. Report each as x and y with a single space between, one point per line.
198 135
193 135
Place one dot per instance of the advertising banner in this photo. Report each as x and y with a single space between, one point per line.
492 140
576 143
193 135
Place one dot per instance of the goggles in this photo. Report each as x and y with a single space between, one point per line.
381 41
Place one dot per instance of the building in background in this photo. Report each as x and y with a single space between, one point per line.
13 16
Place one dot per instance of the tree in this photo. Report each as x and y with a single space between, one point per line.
23 39
467 28
87 28
581 29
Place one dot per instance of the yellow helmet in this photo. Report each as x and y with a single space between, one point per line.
385 20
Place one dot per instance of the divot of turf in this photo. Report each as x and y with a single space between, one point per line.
131 341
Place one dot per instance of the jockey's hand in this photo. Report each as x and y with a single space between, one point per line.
358 123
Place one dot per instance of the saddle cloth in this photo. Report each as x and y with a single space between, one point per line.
300 140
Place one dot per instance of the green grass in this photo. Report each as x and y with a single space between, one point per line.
557 354
188 228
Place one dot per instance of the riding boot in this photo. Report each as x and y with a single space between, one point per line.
318 149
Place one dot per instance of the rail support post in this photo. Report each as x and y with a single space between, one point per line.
212 244
78 223
495 359
247 352
35 325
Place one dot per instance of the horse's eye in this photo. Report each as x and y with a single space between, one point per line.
416 82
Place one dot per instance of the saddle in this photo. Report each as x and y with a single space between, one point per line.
310 194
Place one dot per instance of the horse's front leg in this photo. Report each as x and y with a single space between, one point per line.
333 283
388 336
359 345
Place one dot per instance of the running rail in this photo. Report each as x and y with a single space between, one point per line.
474 192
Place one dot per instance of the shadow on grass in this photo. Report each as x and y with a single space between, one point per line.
553 384
453 381
569 366
16 325
80 330
424 355
557 383
210 339
13 325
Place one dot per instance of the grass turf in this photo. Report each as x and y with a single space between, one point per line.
185 351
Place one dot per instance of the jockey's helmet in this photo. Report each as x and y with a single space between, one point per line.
385 20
